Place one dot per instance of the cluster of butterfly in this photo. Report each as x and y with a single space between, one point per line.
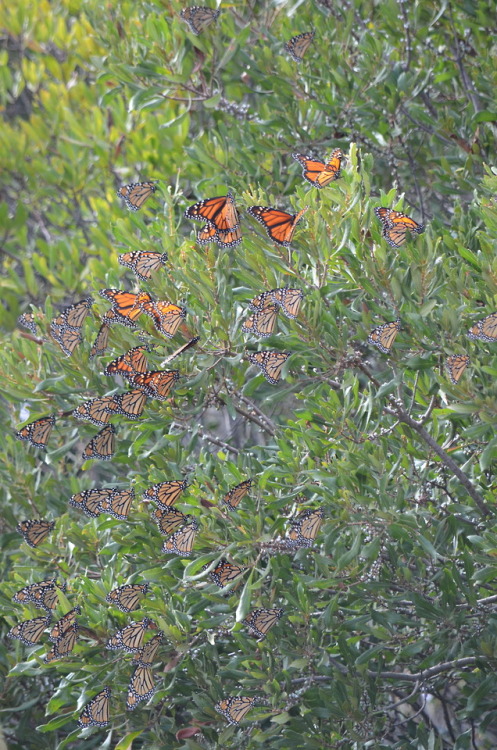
127 598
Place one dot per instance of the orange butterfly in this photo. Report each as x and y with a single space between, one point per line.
181 542
127 598
131 404
198 18
37 432
298 45
66 327
456 364
118 504
99 346
383 336
223 220
98 411
126 306
279 225
271 364
485 329
146 656
42 595
64 624
156 384
225 572
129 638
90 501
317 172
141 686
103 445
136 193
165 494
260 621
133 361
305 528
396 225
96 711
236 494
35 532
166 316
63 645
29 632
143 263
262 322
169 520
234 708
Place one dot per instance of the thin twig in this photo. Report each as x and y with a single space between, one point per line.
218 442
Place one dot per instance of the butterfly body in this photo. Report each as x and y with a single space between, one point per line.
181 542
167 317
143 264
298 45
156 383
225 572
37 433
126 306
485 329
129 638
222 220
271 364
198 17
96 711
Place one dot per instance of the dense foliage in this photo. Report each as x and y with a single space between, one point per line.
389 633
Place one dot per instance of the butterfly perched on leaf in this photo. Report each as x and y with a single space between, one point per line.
37 433
304 528
169 520
165 494
223 220
89 501
146 657
298 45
118 504
29 632
181 542
234 708
225 572
36 531
143 264
260 621
129 638
96 711
127 598
198 18
133 361
126 306
42 595
271 364
141 686
136 193
261 323
131 403
289 300
384 335
62 626
66 327
103 445
98 411
156 384
485 329
167 316
396 225
27 320
456 364
101 342
319 173
236 494
63 645
279 225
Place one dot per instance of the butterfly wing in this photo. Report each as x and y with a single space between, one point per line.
288 299
229 238
127 598
262 322
234 708
65 623
236 494
181 542
126 306
133 361
225 572
143 264
35 532
271 364
485 329
146 656
131 404
260 621
136 193
96 711
141 687
129 638
63 645
298 45
199 18
456 364
99 346
27 320
156 384
169 520
103 445
167 317
279 225
97 410
207 234
383 336
37 433
395 225
165 494
90 501
29 632
305 528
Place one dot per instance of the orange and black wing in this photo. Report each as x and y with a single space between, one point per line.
27 320
144 264
136 193
126 306
127 598
63 645
260 621
135 360
305 528
288 299
165 494
298 45
279 225
220 212
141 687
74 315
317 172
131 404
167 317
271 364
169 520
198 18
395 225
181 542
96 712
485 329
383 336
118 503
146 656
98 411
90 501
236 494
64 624
37 432
129 638
456 364
234 708
103 445
262 322
36 531
225 572
29 632
99 346
156 384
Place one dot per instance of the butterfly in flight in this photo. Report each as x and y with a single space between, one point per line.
96 711
396 225
198 18
167 317
100 344
304 528
141 686
260 621
42 595
37 432
225 572
456 364
383 336
136 193
485 329
27 320
271 364
143 264
279 225
98 411
126 306
29 632
234 708
66 327
129 638
65 624
298 45
319 173
236 494
127 598
103 445
181 542
36 531
165 494
223 220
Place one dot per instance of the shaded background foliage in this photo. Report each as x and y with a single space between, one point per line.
94 95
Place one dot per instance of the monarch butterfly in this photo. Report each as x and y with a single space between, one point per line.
319 173
103 445
262 322
165 494
96 711
271 364
27 320
43 595
126 306
136 193
37 432
89 501
396 225
181 349
29 632
143 263
63 645
305 528
118 503
64 624
279 225
134 360
198 18
181 542
229 238
166 316
456 364
141 687
220 212
234 708
127 598
262 620
298 45
130 638
485 329
131 404
146 656
35 532
383 336
99 346
98 411
225 572
156 384
207 234
66 327
169 520
233 497
288 299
